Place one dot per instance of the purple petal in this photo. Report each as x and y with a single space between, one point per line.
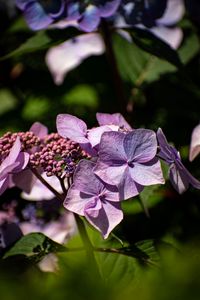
147 174
11 158
68 55
22 3
24 180
111 150
108 218
112 119
140 145
85 180
109 8
39 129
90 19
110 174
94 134
74 202
195 143
172 36
93 207
23 159
128 187
178 179
71 127
174 12
36 17
4 184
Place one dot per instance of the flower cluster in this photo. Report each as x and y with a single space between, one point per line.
109 163
125 160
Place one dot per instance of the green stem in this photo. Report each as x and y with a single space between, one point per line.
37 174
87 244
116 78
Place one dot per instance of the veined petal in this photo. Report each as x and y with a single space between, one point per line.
140 145
111 149
36 17
128 188
4 184
147 174
74 202
110 174
71 127
93 207
85 180
108 218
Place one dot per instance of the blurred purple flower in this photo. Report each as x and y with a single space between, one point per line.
195 143
13 163
89 13
128 161
65 57
39 14
179 176
92 198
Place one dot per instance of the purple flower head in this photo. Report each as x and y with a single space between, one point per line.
112 119
92 198
89 13
73 128
39 14
13 163
179 176
128 161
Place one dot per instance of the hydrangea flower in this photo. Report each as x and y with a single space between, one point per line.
112 119
179 176
13 163
92 198
128 161
39 14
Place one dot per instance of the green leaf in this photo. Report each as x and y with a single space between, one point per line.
37 42
153 45
35 246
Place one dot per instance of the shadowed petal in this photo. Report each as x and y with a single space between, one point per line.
94 134
127 187
173 13
140 145
111 150
110 174
108 218
68 55
109 8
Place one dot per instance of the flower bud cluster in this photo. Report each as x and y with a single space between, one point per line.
57 156
28 140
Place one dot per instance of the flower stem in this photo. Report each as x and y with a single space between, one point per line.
117 81
37 174
87 244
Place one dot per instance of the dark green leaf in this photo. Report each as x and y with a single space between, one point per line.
153 45
35 246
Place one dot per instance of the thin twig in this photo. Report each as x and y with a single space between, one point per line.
37 174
